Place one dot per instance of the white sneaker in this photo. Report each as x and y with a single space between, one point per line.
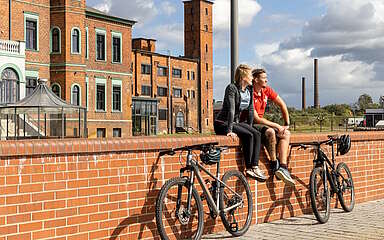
256 173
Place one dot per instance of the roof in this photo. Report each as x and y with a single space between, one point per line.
165 55
42 100
141 38
93 12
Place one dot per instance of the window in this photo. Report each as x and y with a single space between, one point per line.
207 121
145 69
162 71
75 41
117 132
116 97
176 73
207 104
55 40
100 97
31 34
206 84
163 113
116 48
187 75
206 47
192 75
101 133
146 90
177 92
30 85
193 94
9 86
162 91
206 27
75 97
56 89
191 10
86 43
188 94
191 27
206 67
100 46
206 11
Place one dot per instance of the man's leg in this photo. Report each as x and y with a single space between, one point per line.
283 147
270 144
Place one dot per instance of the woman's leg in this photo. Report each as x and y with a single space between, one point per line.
247 141
256 143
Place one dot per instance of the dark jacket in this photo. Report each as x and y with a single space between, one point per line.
230 111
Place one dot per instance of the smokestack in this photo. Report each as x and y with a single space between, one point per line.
316 103
303 94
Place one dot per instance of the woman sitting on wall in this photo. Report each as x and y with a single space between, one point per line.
238 100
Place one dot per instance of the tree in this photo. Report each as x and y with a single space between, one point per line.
364 101
381 101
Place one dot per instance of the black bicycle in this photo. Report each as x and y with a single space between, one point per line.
179 207
325 174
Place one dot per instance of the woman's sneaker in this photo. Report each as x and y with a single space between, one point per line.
256 173
283 174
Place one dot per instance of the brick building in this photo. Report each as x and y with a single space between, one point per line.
88 58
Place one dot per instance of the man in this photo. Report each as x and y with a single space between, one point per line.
273 134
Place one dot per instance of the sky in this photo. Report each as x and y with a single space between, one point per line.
347 36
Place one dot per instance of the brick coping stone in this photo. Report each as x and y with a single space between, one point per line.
79 146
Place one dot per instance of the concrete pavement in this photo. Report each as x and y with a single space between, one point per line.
366 221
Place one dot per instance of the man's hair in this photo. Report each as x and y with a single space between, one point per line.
241 71
256 72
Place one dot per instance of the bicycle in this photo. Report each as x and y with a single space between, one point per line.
324 174
179 207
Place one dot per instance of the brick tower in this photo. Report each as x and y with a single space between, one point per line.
198 44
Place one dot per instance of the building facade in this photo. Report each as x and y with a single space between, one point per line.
90 60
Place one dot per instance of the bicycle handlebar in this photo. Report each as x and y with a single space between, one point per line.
201 146
331 139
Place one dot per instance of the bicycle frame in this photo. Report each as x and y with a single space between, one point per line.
193 167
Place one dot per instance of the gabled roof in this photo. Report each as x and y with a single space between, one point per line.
93 12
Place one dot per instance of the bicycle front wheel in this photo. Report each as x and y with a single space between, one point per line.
173 219
237 219
346 192
320 196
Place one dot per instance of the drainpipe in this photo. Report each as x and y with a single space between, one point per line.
169 94
10 19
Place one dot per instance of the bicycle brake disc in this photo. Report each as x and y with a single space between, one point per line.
183 216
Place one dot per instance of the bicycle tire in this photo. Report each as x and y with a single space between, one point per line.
345 184
242 185
176 230
320 199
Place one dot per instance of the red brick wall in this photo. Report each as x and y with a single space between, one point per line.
92 188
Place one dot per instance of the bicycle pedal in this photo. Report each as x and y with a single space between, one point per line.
234 227
202 197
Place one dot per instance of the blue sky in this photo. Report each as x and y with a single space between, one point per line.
283 36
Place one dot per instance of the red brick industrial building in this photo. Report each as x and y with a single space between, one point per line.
88 58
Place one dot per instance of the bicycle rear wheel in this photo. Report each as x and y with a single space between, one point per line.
173 223
346 192
237 220
320 196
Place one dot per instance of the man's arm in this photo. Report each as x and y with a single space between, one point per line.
283 108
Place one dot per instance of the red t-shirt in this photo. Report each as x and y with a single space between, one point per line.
260 100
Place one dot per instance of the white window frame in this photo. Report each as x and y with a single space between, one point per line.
51 40
117 82
104 32
33 17
87 93
87 42
104 82
72 86
119 35
76 53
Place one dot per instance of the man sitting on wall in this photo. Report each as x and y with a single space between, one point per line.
273 134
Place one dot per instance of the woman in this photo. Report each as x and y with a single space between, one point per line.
238 100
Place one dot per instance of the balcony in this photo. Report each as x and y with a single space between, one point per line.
12 48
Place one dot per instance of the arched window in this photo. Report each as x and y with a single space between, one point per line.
180 119
75 40
75 100
56 89
9 86
55 36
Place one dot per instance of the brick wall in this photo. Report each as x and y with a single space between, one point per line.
105 189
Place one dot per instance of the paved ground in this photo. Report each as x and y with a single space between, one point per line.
366 221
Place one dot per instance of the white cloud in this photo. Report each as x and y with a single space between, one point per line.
138 10
168 8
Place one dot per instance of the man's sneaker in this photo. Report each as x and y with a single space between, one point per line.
275 165
256 173
283 174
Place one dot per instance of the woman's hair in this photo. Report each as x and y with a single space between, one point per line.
241 71
256 72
